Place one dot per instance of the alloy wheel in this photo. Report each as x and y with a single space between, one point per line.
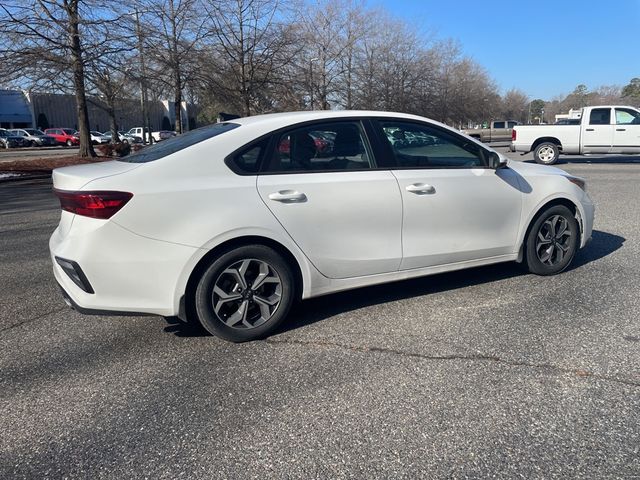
247 294
553 240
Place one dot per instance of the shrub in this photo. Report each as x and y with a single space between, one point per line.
115 149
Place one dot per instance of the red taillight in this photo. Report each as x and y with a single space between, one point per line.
101 205
513 135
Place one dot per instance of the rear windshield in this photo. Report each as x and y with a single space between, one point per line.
172 145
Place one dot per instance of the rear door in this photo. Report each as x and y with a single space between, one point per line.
597 131
499 132
626 137
320 181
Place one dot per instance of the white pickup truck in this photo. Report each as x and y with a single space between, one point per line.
602 130
157 136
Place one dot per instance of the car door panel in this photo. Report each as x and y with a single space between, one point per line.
455 208
469 214
347 223
626 137
597 133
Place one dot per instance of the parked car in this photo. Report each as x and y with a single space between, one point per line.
123 137
64 136
602 130
220 225
9 140
34 137
498 131
98 137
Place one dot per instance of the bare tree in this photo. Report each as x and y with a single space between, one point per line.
249 51
171 32
515 105
46 42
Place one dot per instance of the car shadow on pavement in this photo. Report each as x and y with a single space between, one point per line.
601 245
320 308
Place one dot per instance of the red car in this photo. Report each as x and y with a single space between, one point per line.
64 136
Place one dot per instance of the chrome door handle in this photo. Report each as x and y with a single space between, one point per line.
288 196
421 189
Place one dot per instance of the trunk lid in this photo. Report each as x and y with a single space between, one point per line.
77 176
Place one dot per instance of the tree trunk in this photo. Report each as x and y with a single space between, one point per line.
176 70
86 148
113 123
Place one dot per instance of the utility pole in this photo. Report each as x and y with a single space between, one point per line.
311 81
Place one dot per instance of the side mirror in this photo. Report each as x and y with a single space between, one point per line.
496 162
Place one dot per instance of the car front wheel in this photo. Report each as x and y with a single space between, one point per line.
552 241
245 293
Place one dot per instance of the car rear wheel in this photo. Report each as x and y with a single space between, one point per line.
552 241
546 153
245 293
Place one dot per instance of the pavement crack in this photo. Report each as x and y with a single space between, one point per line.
29 320
459 357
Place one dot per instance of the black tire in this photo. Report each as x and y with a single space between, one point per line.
544 239
69 143
33 143
252 324
546 153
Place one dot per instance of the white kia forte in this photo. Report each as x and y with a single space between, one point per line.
233 222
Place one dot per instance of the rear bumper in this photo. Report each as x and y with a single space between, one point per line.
128 274
89 311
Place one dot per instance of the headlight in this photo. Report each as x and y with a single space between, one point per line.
578 181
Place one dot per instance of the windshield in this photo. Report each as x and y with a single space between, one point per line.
172 145
68 131
33 131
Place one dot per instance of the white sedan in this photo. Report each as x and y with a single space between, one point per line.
229 224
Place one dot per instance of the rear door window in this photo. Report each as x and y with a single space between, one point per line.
498 124
600 116
321 147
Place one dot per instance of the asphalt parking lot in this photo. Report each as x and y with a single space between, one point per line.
481 373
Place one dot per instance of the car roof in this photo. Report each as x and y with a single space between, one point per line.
297 117
260 124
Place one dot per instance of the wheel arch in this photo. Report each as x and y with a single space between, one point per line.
187 308
540 140
570 204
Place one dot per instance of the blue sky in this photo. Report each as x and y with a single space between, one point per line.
543 47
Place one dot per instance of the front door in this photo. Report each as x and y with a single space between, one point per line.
626 137
320 184
597 133
455 208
